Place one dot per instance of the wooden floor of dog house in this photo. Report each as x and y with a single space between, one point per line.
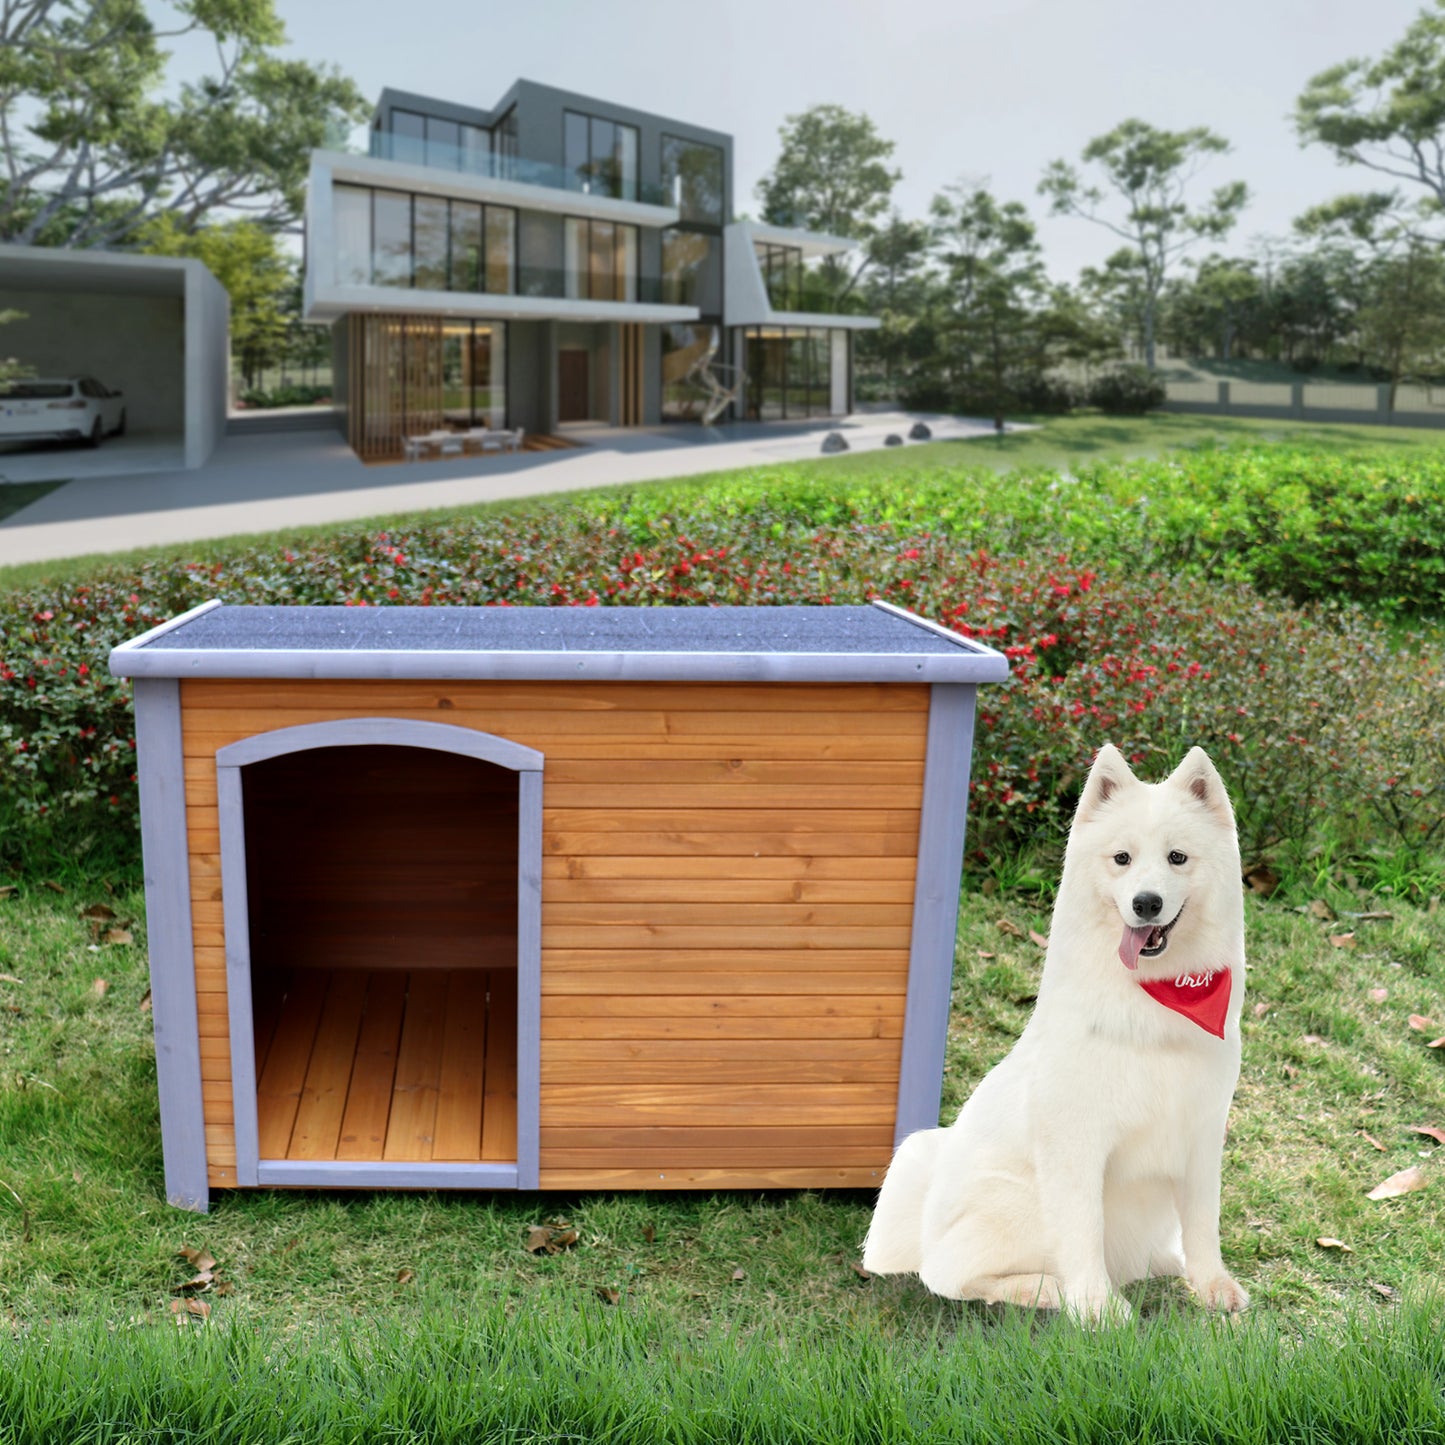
387 1064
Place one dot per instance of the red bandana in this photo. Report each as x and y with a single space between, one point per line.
1203 998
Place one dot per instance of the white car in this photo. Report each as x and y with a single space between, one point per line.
71 409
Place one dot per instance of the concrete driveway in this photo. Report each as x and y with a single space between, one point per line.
273 481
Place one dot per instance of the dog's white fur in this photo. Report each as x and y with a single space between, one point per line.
1090 1156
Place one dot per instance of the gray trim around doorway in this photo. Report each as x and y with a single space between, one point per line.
400 732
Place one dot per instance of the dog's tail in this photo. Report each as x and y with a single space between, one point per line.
895 1241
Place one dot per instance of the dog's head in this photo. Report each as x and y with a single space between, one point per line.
1163 858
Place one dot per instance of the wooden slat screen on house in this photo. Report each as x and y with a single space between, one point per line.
727 893
631 356
394 382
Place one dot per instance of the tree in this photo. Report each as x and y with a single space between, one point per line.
830 176
1387 115
1150 170
998 289
90 150
896 291
261 281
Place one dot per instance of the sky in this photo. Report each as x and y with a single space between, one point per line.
973 90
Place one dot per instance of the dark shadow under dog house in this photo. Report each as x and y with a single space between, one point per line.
549 898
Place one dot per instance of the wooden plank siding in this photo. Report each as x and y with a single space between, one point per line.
727 887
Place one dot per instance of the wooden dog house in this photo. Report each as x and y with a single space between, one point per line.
553 898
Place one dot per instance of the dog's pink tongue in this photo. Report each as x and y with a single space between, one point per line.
1133 940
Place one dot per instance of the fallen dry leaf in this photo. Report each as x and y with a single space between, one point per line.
739 1275
1325 1242
550 1238
1370 1139
648 1233
1385 1292
1006 925
145 1002
1407 1181
52 886
183 1307
860 1271
1260 1009
1374 916
200 1283
1437 1043
608 1296
1314 1039
8 889
1290 1072
224 1286
1262 879
1321 910
1342 940
198 1259
100 912
984 953
405 1276
100 987
118 935
1039 939
1379 994
1429 1130
10 978
1420 1023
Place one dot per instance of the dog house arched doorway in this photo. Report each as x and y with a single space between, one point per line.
382 914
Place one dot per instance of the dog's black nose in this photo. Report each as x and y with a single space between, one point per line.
1148 905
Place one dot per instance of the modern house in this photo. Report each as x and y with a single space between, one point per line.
559 259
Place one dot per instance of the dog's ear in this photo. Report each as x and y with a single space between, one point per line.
1197 777
1108 777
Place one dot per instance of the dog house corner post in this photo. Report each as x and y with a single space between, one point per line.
168 929
529 976
935 906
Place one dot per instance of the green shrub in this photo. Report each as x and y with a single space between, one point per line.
1126 391
1311 714
293 393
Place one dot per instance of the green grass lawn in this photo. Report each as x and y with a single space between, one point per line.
16 495
1053 443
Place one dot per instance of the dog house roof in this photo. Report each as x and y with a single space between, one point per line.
877 643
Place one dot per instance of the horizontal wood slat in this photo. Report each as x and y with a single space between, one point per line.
696 842
800 867
808 1177
574 893
700 1104
558 982
342 696
607 916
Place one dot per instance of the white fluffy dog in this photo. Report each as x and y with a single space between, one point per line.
1090 1156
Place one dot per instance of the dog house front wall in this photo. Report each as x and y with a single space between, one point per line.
733 916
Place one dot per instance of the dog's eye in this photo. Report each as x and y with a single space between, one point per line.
1122 859
1178 859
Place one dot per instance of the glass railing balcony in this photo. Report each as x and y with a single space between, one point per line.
814 297
561 285
385 145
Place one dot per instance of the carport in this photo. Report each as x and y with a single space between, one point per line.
153 327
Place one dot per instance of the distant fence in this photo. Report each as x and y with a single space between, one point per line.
1309 401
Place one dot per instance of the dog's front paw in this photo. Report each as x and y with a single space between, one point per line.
1221 1292
1097 1311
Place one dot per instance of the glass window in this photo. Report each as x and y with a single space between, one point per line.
685 349
443 142
501 249
606 178
408 131
476 149
602 263
576 153
692 179
489 376
391 239
466 266
505 144
352 209
820 396
574 253
691 270
627 263
429 271
626 153
456 374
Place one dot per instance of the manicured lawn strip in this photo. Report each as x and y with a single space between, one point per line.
482 1372
16 495
86 1234
1057 444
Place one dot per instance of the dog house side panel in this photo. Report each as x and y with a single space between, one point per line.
727 883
